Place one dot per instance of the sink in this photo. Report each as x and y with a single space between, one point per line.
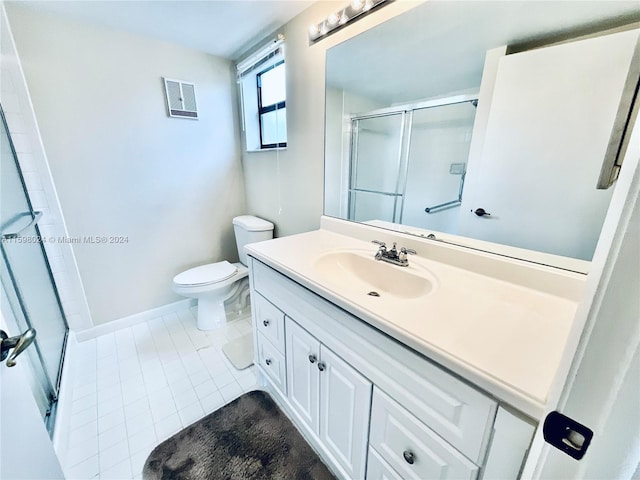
359 272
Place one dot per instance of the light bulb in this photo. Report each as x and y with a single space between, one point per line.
313 29
368 4
357 4
344 18
333 19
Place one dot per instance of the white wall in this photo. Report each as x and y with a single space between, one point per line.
286 187
23 127
122 166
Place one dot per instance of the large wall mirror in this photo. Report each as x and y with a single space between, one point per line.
486 124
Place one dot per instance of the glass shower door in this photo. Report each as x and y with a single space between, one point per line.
437 159
375 176
29 289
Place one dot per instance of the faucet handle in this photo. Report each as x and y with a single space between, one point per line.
378 242
410 251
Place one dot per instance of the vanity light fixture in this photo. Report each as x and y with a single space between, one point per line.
354 10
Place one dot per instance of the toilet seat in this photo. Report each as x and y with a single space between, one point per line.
206 274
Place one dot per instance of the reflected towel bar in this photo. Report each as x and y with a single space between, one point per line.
37 215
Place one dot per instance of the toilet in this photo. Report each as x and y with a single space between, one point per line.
215 283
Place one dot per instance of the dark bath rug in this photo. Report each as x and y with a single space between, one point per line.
250 438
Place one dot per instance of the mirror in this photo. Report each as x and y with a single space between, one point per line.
463 121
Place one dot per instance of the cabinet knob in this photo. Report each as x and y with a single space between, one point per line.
312 358
266 323
409 456
268 361
321 366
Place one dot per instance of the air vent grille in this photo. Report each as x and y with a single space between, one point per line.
181 99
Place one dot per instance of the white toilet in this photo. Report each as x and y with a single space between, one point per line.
214 283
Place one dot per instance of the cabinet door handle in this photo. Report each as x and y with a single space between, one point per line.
268 361
409 456
312 358
266 323
321 366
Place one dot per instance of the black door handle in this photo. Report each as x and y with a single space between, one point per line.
481 212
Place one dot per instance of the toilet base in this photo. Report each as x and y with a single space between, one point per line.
211 314
214 312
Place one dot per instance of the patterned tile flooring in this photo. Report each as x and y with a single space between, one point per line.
138 386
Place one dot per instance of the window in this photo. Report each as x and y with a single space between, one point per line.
272 110
261 79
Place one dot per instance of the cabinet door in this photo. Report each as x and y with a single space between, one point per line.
303 354
344 412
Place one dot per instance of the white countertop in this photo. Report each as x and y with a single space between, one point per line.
504 337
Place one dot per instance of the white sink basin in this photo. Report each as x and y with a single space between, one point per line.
360 273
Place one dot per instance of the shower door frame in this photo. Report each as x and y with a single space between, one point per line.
406 110
53 387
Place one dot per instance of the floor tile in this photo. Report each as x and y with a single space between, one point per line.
136 387
84 470
121 471
112 436
169 426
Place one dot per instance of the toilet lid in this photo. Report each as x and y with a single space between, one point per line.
211 273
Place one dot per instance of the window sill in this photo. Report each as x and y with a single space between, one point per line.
258 150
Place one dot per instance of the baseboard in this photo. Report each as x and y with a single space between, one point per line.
134 319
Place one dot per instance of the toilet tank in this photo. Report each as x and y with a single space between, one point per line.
250 229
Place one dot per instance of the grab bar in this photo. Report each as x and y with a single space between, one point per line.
443 206
37 215
452 203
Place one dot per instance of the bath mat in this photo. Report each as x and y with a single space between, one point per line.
250 438
240 351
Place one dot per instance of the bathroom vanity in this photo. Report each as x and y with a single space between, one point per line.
436 370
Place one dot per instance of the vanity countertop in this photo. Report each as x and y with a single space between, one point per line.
504 337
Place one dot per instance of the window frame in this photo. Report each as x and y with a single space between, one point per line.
268 108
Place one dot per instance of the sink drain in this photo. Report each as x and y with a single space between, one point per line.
373 294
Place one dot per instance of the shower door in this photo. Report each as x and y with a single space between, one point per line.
29 291
438 151
375 186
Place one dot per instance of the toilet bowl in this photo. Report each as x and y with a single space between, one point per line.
212 285
215 283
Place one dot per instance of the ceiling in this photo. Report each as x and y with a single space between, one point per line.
439 47
221 28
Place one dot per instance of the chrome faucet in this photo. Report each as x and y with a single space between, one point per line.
392 255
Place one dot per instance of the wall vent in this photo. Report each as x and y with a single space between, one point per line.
181 98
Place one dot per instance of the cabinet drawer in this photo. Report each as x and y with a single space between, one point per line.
269 321
272 362
411 448
378 469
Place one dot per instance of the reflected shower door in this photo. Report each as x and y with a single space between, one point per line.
28 286
437 159
375 186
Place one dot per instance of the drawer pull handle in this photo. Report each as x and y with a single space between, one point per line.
266 323
268 361
321 366
409 456
312 358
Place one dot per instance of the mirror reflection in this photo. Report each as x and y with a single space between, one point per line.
486 124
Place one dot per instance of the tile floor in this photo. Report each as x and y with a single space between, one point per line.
138 386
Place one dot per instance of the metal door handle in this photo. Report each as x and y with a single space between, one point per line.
18 343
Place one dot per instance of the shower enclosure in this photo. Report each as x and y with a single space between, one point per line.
407 163
29 291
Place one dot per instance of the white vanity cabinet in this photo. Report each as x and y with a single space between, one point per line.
330 396
371 406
